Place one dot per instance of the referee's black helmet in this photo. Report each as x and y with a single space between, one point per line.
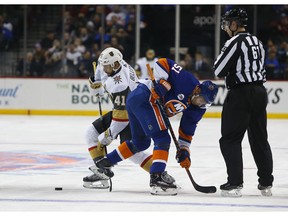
238 14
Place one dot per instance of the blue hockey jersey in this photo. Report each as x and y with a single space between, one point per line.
183 83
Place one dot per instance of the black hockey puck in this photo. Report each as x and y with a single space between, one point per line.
58 188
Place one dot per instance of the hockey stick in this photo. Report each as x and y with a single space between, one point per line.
100 111
203 189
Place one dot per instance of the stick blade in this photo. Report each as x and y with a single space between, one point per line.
199 188
206 189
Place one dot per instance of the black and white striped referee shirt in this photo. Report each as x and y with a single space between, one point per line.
241 60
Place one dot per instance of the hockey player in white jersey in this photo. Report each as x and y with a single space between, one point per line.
140 67
114 76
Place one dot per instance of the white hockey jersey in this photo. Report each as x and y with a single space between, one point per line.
118 87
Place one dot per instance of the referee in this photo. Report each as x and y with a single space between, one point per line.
241 62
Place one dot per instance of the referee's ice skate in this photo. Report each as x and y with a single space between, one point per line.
98 180
228 190
163 184
265 190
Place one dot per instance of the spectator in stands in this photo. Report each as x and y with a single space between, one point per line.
47 42
83 9
96 21
79 47
80 21
189 62
282 58
98 36
128 42
270 45
102 9
114 43
34 63
85 65
6 29
95 51
86 37
38 61
140 67
201 67
23 67
280 27
116 17
113 31
53 60
90 28
67 39
68 26
73 58
130 15
272 66
90 12
182 63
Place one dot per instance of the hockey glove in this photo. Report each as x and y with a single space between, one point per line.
96 87
105 138
160 89
183 157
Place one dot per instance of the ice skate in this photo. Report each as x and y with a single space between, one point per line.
265 190
163 184
98 180
104 166
93 182
228 190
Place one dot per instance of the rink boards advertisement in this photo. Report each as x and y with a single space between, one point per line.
72 97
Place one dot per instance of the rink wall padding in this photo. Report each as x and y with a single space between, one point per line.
39 96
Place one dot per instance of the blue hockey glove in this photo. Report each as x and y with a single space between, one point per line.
160 89
183 157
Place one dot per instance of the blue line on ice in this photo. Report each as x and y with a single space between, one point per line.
149 203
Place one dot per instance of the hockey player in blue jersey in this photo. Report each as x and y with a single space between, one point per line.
179 91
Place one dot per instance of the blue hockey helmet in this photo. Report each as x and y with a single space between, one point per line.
208 91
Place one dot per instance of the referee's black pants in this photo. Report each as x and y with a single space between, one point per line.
245 109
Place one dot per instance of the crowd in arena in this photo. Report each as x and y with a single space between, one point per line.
69 52
82 41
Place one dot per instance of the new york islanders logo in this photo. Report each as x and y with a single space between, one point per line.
174 107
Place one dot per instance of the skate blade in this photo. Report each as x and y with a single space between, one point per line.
97 185
231 193
266 192
163 191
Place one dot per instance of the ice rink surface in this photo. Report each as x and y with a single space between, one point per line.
39 153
